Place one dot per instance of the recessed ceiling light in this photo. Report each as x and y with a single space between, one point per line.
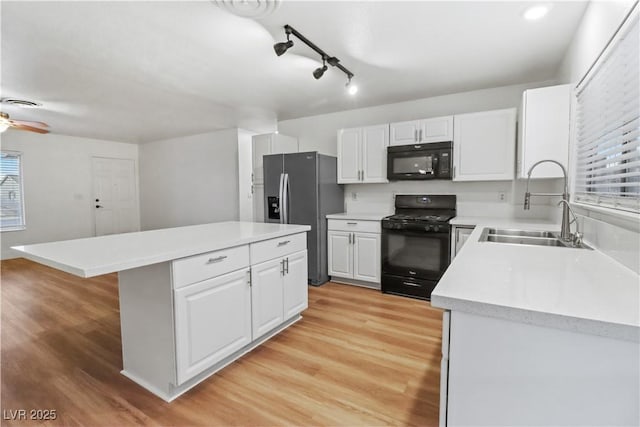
536 12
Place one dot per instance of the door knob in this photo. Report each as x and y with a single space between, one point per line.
97 200
98 206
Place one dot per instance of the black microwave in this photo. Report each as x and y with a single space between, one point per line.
419 161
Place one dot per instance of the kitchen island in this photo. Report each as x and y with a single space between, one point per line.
192 299
538 335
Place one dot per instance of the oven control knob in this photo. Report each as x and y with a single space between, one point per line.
427 228
436 228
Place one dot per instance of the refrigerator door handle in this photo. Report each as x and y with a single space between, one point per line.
280 197
286 194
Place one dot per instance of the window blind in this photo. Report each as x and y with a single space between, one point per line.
11 197
608 126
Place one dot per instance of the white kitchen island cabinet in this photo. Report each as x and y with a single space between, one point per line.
192 299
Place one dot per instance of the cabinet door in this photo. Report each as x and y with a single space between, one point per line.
283 144
295 284
461 234
438 129
404 133
484 146
366 257
375 140
340 254
266 296
544 130
261 145
349 163
213 320
258 203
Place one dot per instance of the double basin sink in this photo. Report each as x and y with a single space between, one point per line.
522 237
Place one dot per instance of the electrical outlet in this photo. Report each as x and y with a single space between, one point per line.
354 196
502 197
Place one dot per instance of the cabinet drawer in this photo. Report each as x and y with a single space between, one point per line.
274 248
211 264
353 225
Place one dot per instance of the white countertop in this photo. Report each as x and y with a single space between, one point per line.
359 216
573 289
108 254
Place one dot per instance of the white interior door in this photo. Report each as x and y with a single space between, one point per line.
115 196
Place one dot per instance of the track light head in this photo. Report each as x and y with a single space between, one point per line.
318 72
352 88
282 47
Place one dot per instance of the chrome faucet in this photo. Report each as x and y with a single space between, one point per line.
576 238
565 228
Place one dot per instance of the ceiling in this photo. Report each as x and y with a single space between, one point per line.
144 71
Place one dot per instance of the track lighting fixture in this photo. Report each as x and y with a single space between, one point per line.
282 47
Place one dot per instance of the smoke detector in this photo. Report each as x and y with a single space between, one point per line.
20 103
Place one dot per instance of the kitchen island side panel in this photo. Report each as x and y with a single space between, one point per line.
147 327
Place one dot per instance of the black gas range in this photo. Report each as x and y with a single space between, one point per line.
416 244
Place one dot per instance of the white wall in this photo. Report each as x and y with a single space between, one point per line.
599 23
477 199
616 235
189 180
58 188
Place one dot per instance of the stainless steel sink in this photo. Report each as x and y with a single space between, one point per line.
523 237
522 233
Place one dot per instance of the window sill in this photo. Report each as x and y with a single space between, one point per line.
627 219
20 228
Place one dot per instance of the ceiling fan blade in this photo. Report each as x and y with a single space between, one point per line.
29 123
28 128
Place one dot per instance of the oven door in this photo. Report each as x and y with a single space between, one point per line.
419 164
415 254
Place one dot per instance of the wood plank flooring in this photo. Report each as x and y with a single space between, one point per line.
357 358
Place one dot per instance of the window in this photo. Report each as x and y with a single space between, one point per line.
608 125
11 194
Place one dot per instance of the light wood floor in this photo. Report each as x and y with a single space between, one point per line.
358 357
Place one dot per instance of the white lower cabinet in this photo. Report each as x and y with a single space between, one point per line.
366 257
340 256
267 296
212 320
354 254
217 317
296 291
278 291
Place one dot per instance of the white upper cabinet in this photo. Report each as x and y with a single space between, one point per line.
544 130
270 143
484 146
349 158
437 129
362 154
375 140
404 133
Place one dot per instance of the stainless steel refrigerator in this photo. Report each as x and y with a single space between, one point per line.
302 188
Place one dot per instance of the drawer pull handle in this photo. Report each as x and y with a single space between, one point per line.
411 284
216 259
352 223
283 243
